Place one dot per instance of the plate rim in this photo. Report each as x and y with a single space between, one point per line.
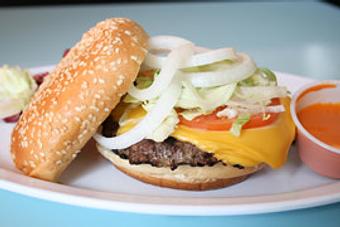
176 206
179 206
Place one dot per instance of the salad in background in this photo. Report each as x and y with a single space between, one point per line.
16 89
17 86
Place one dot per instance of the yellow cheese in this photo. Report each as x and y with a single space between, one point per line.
269 144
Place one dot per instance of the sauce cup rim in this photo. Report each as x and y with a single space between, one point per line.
297 121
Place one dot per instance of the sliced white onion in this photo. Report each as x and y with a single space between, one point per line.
232 112
163 42
252 108
173 61
199 49
202 58
275 109
227 112
244 68
260 93
149 123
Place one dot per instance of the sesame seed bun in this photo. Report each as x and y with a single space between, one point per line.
77 97
184 177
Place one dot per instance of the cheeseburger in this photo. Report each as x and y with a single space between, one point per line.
161 109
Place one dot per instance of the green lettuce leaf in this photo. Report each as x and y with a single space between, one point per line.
204 100
16 89
241 120
259 94
262 77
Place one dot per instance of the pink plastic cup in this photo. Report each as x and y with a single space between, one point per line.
319 156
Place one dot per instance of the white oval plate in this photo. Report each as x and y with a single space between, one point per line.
91 181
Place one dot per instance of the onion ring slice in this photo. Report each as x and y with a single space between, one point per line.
149 123
166 42
244 68
172 63
203 58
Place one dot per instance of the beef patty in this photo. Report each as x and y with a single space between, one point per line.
169 153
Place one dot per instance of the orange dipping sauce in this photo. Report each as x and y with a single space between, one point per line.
322 121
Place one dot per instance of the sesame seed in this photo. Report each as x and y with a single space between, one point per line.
134 58
81 96
94 108
84 85
32 164
106 110
127 32
119 82
58 162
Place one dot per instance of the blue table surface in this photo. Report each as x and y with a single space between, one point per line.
296 37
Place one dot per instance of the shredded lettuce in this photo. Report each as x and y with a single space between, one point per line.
241 120
259 94
197 100
143 82
204 100
251 94
262 77
16 89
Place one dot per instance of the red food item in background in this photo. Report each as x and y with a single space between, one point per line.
66 52
39 77
13 118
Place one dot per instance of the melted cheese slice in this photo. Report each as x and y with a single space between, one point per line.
269 144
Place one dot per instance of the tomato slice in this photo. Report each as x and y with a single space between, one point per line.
212 122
